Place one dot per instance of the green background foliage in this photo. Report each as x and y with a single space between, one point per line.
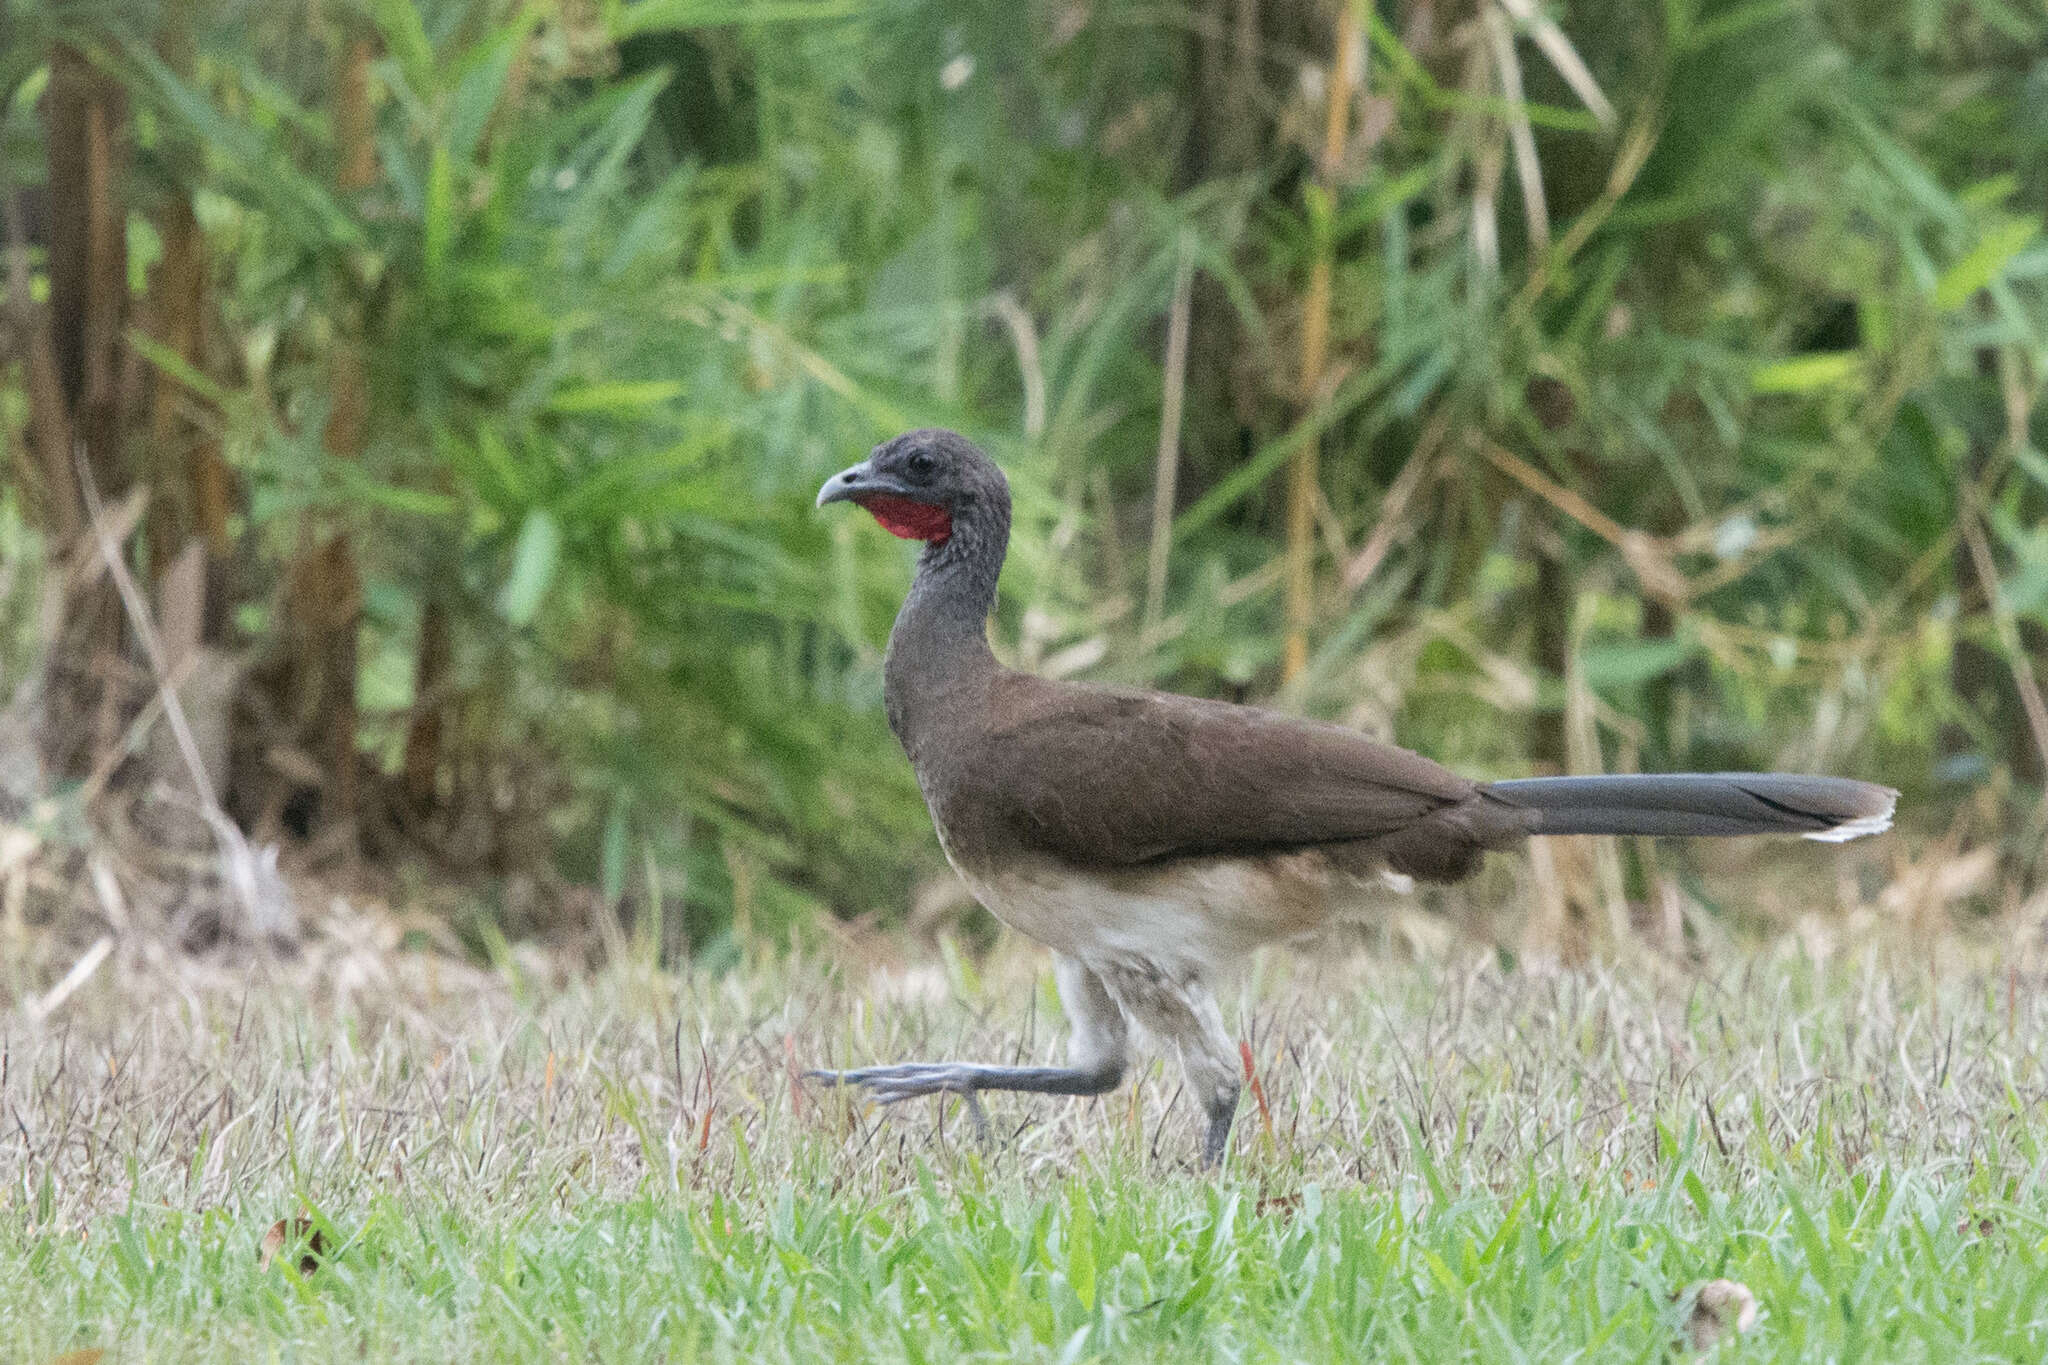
629 280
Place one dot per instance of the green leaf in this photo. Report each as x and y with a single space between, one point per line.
612 871
480 87
1626 663
1081 1248
651 16
405 38
1807 373
622 484
177 367
260 172
1982 263
2034 462
490 458
649 235
439 226
1696 1191
1819 1260
359 485
608 146
533 567
1691 37
618 396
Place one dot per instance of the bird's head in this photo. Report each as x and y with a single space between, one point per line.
921 483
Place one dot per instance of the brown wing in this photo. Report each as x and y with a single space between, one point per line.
1111 777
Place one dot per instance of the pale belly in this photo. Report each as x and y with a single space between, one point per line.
1200 914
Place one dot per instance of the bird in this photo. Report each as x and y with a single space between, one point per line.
1153 840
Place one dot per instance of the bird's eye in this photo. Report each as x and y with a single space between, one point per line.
918 466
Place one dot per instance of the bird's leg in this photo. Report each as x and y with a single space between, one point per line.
1177 1008
1096 1049
1216 1141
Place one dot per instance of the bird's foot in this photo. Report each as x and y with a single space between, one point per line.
907 1080
912 1080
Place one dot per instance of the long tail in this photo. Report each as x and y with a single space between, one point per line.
1828 808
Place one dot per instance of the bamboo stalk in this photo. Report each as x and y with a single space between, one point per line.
1302 478
354 133
181 448
327 588
56 501
85 116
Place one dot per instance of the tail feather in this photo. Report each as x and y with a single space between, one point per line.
1827 808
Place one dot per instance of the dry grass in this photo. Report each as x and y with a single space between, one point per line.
1453 1157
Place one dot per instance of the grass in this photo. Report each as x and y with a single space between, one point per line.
1458 1161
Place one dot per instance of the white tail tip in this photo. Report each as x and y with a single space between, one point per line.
1856 829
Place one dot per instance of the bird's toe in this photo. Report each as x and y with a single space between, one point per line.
908 1080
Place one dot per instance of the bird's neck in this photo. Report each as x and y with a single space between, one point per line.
939 647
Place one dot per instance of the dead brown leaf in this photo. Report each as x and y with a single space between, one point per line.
87 1355
294 1232
1277 1205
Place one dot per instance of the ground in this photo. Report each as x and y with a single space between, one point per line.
1449 1155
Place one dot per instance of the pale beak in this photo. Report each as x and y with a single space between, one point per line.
855 482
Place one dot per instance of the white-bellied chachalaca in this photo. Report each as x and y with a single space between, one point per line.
1150 839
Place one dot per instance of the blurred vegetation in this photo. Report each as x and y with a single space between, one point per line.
1590 385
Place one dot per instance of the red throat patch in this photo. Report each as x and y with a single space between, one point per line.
908 518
